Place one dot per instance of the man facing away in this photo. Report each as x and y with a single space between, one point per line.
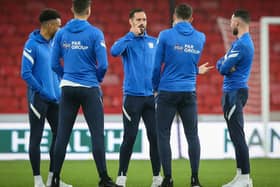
174 78
137 50
235 66
43 90
83 50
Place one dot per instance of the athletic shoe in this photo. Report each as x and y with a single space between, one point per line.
243 183
107 182
232 181
121 181
157 180
238 173
195 182
39 185
63 184
167 182
38 181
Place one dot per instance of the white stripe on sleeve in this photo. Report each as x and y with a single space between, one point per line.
28 56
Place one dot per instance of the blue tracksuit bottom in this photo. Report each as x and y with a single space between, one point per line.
233 103
91 102
135 107
167 104
39 111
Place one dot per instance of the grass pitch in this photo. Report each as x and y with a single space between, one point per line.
213 173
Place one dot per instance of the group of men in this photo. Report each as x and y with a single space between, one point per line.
159 80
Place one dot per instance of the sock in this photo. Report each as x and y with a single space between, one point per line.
49 180
38 180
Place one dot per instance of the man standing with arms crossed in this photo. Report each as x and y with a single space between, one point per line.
235 66
174 78
83 49
43 90
137 50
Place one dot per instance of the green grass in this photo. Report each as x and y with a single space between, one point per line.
213 173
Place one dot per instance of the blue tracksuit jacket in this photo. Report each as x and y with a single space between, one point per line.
36 68
138 57
83 50
237 63
177 54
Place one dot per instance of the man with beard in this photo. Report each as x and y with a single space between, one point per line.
235 66
137 50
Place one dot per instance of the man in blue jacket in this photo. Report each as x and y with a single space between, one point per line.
83 50
174 78
236 66
137 50
43 90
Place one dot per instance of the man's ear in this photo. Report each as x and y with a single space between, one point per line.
130 22
191 19
88 10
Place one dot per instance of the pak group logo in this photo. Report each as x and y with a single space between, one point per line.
75 45
187 48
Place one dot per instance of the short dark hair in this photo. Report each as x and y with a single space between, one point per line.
243 14
133 11
48 14
80 6
183 11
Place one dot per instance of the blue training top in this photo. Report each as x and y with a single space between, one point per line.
177 54
138 57
237 63
36 68
83 50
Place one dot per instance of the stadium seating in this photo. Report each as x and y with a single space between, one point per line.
19 17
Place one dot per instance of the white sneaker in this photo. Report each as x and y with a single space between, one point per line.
39 185
62 184
157 180
243 183
38 181
231 182
251 183
238 173
121 180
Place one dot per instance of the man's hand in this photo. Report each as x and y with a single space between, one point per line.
202 69
138 29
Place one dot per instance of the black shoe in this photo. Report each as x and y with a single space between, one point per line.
167 182
107 182
195 182
55 181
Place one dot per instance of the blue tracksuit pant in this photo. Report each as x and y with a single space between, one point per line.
233 103
167 104
135 107
39 111
91 102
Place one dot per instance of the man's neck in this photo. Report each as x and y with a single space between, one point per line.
242 31
84 17
45 34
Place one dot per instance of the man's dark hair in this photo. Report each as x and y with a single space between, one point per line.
243 14
48 14
133 11
183 11
80 6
